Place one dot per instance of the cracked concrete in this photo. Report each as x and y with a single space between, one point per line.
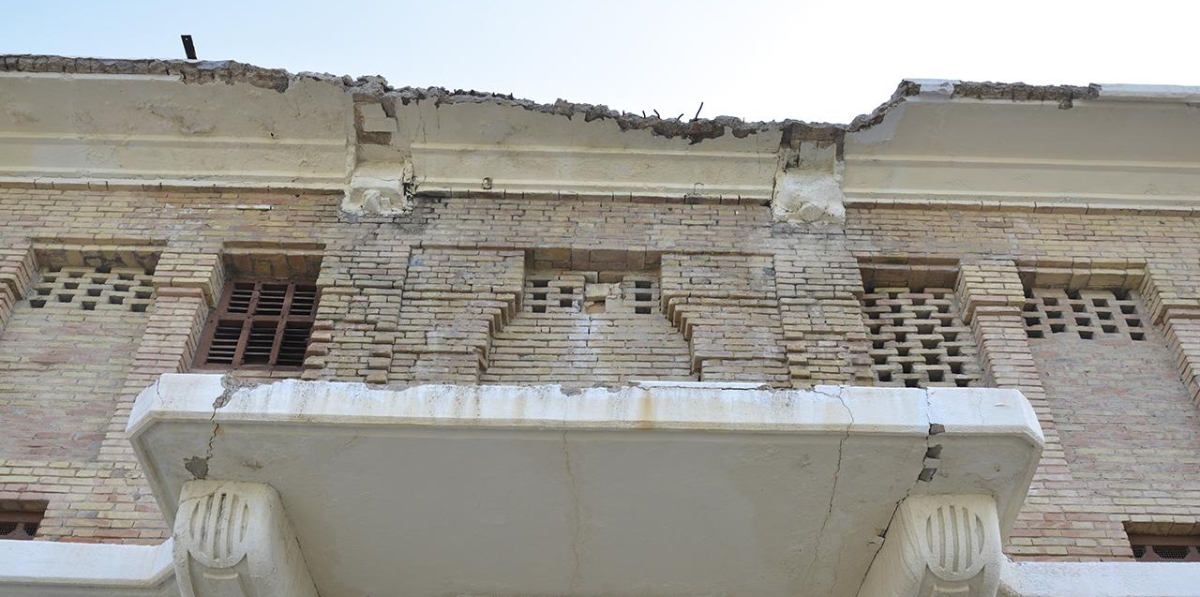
198 465
576 519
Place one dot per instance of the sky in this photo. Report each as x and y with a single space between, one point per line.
822 61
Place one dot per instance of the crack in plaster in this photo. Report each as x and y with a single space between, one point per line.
577 523
837 472
891 519
197 465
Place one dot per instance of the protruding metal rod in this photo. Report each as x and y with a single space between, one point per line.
188 48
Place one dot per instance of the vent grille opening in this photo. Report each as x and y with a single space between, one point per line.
1090 314
260 324
918 340
20 519
1165 548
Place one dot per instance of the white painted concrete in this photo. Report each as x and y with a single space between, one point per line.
939 545
44 569
234 540
667 491
1100 579
158 129
1131 148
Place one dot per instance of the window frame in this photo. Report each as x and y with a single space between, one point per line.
220 314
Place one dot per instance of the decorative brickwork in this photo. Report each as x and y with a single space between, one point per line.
92 289
454 301
726 306
918 339
1089 314
589 327
431 296
822 317
1125 419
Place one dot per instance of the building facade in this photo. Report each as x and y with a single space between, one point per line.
421 342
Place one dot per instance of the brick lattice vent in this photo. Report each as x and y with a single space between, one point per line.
19 520
1091 314
1165 548
94 289
918 339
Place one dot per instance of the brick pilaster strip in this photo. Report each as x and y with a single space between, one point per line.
1172 294
17 271
992 295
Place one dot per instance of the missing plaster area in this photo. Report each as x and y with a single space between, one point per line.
915 331
589 317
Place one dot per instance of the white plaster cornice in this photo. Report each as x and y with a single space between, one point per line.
1119 147
114 130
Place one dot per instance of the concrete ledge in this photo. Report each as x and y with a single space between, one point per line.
44 569
1100 579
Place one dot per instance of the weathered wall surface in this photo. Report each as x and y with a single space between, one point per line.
448 294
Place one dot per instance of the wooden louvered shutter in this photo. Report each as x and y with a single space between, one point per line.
260 324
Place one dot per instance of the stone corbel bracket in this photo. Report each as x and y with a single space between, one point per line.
380 190
808 186
233 540
939 546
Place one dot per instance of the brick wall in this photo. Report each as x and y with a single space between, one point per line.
447 295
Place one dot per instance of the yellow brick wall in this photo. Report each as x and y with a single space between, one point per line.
438 296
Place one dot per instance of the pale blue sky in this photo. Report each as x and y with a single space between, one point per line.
822 61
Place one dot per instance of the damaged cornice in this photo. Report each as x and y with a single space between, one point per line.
149 125
376 88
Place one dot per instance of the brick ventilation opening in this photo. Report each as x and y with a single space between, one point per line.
1165 548
554 293
94 289
1090 314
635 293
260 324
918 339
19 520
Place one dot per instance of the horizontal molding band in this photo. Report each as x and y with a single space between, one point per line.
165 140
594 187
568 150
166 184
927 161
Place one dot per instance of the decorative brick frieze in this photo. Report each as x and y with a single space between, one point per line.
455 299
588 327
727 307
